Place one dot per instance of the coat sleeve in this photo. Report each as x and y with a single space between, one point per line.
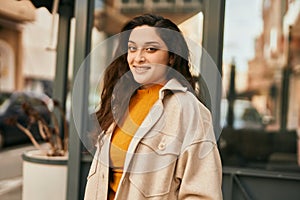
200 174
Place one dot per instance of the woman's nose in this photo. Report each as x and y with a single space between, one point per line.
139 57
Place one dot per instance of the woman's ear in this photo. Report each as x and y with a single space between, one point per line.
171 59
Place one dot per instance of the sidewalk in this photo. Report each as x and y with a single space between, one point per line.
11 189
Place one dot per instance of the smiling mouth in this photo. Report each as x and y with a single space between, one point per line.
141 69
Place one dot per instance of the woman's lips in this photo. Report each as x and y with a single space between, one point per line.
141 69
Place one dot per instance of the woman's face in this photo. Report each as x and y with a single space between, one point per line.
148 56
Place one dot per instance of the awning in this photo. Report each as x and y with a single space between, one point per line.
19 11
37 61
292 18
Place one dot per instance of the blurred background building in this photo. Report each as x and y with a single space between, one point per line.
276 48
13 16
117 12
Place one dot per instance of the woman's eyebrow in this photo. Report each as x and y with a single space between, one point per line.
147 43
152 42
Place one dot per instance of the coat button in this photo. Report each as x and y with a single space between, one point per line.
162 146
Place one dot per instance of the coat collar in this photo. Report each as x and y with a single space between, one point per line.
172 85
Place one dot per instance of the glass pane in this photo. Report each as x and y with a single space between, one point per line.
261 106
109 17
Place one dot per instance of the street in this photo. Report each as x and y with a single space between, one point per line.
11 172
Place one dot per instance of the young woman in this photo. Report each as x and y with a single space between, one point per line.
157 140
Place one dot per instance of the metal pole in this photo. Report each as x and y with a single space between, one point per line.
83 15
285 86
60 89
231 97
213 29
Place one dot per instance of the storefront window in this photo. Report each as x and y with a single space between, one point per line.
260 107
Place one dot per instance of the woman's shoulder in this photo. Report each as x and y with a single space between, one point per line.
176 96
185 112
189 101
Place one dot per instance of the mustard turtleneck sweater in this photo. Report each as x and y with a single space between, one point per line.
139 106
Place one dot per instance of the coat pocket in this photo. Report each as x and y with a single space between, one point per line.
154 163
153 184
160 143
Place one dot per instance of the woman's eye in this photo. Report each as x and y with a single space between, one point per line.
151 49
131 48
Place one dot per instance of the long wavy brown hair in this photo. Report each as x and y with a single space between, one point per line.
114 101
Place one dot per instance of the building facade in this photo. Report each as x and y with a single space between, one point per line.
13 15
277 48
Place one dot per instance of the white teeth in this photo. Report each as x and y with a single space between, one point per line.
141 69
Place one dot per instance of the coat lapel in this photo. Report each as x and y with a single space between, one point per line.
153 116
